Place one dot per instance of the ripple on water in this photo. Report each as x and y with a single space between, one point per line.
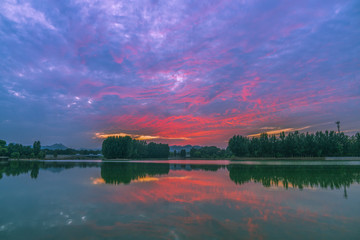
6 227
69 221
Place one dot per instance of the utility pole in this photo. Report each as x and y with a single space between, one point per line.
338 126
345 192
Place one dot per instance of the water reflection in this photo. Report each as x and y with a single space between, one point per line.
128 200
190 167
15 168
286 176
297 176
116 173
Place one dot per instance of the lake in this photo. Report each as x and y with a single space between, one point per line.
179 200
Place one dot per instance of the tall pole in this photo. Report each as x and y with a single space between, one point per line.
338 126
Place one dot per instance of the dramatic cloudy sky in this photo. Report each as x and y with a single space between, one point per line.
176 71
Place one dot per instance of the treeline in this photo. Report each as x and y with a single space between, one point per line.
320 144
126 147
71 151
17 151
208 152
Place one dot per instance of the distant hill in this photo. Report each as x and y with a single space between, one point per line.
186 147
56 146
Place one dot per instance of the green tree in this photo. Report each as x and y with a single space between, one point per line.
15 155
295 144
126 147
239 146
37 148
3 148
183 153
41 155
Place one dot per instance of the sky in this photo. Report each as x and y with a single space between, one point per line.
176 71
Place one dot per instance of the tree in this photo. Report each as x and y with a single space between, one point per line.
36 148
239 146
295 144
15 155
183 153
126 147
41 155
3 148
195 153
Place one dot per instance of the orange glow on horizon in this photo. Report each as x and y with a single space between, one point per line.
135 136
278 131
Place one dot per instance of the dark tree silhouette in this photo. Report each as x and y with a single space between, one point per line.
36 148
183 153
208 152
295 144
126 147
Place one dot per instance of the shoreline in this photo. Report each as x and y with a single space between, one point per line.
235 159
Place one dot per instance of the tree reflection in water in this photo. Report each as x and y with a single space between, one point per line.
116 173
295 176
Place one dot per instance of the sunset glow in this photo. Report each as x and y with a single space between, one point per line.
176 72
137 137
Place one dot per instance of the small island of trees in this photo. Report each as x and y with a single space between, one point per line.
126 147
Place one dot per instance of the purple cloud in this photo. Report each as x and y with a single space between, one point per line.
187 71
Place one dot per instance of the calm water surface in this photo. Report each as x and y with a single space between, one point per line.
179 200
